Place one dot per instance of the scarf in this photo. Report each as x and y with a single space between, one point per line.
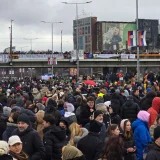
21 156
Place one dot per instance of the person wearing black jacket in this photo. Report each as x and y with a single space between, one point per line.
92 144
154 149
32 144
54 138
136 97
129 110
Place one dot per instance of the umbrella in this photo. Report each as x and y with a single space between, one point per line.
90 82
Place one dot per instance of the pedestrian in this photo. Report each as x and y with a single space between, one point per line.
54 138
72 153
141 133
32 144
154 149
128 140
113 149
129 109
154 111
92 144
77 133
4 149
15 148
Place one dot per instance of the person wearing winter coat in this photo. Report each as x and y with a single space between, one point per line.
39 119
156 124
4 149
77 133
72 153
146 102
32 144
130 109
92 144
154 149
154 111
11 125
54 138
15 148
86 111
141 133
128 140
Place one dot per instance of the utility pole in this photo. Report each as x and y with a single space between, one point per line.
61 40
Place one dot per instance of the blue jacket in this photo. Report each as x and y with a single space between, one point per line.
142 136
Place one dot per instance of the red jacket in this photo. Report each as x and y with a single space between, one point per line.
154 110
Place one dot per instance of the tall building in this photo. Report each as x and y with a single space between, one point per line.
86 28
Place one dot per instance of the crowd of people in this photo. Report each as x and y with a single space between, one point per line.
80 119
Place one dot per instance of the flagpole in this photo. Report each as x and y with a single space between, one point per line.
138 63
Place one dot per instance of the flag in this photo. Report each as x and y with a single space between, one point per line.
142 38
48 60
132 38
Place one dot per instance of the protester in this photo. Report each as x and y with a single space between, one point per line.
32 144
154 149
92 144
141 133
72 153
77 133
54 138
113 149
15 147
154 111
128 140
4 149
129 109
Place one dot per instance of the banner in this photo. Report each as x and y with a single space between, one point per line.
80 54
105 56
132 38
142 38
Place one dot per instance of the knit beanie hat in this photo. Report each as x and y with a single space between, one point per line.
95 126
6 111
156 133
40 106
24 118
3 148
143 115
96 113
122 123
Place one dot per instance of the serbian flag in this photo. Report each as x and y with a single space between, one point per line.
132 38
142 38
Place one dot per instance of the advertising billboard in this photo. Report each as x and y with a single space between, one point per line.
115 35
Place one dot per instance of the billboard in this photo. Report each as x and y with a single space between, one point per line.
115 35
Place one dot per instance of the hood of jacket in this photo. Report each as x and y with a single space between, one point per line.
156 104
39 116
138 122
85 133
128 103
58 132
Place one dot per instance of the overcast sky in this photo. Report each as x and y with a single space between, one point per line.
27 15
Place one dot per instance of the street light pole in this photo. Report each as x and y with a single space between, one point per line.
61 40
52 23
138 63
30 39
77 47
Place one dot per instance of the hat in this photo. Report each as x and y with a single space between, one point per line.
40 106
3 148
96 113
107 103
44 89
156 133
35 91
143 115
19 102
6 111
13 140
44 99
122 123
130 98
70 107
126 93
24 118
95 126
48 94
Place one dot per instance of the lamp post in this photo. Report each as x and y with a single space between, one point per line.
61 40
138 63
52 23
30 39
77 47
